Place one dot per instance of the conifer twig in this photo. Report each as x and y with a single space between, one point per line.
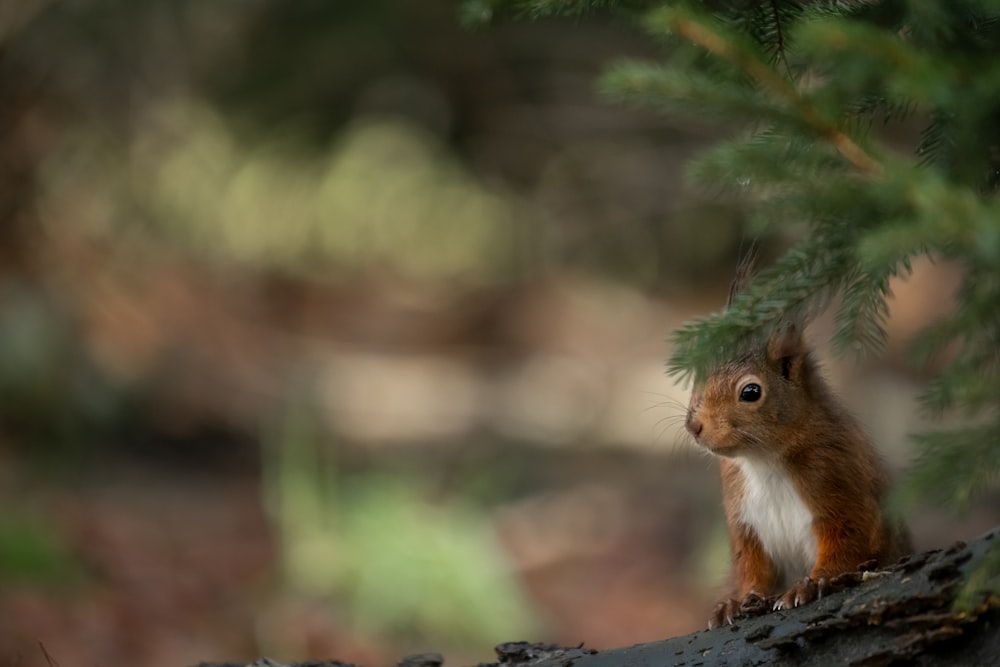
765 76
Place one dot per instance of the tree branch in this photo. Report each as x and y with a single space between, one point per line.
780 87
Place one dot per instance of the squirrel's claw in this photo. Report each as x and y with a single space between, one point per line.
803 592
724 613
728 610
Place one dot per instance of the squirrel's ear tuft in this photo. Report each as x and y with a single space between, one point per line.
787 351
744 273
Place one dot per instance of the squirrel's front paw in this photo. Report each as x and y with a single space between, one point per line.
727 610
724 613
803 592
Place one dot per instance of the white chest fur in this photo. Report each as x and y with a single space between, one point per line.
775 511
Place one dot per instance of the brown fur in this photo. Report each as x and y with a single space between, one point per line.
798 425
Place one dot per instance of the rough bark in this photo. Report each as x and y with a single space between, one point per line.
901 616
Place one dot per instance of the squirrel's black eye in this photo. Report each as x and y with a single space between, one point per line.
751 392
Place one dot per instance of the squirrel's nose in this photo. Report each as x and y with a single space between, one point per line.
693 425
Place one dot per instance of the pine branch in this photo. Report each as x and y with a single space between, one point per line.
954 466
795 288
686 91
780 35
767 161
860 320
764 75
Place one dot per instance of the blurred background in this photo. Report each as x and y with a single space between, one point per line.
337 330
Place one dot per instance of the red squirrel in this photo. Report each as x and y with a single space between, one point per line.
802 485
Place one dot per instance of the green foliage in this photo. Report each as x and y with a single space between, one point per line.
983 584
802 88
399 562
31 551
386 191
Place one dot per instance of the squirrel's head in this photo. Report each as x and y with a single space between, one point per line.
755 404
